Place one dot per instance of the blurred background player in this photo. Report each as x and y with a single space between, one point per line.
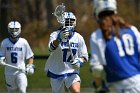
63 66
97 44
120 48
122 54
15 51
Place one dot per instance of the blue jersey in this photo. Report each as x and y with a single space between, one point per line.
122 55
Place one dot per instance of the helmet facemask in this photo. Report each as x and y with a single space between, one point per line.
14 32
69 22
14 29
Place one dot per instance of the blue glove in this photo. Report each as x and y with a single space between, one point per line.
30 69
63 34
77 63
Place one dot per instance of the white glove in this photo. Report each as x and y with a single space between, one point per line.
2 61
77 63
30 69
63 35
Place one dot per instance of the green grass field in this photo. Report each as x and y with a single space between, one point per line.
40 81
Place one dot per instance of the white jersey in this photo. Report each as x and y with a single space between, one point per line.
59 60
15 53
97 45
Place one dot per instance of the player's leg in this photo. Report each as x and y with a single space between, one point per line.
98 82
57 85
75 87
73 83
11 90
10 83
21 81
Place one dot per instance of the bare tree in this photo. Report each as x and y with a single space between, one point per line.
30 10
23 12
49 8
40 10
137 2
3 18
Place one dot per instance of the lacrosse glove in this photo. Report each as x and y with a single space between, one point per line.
77 63
30 69
2 61
63 35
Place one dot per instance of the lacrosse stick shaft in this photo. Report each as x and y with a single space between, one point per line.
13 66
70 51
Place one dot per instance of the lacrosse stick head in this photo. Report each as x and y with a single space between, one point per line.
59 13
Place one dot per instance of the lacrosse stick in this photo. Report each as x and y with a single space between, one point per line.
70 50
18 68
59 13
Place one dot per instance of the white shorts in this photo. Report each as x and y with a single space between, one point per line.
130 85
58 84
18 80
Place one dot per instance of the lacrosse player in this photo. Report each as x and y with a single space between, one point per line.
68 54
14 52
117 47
97 45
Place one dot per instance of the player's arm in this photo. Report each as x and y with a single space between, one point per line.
2 54
53 42
30 66
84 59
83 55
56 38
137 34
95 59
30 60
53 45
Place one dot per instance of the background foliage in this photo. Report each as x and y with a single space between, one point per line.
38 22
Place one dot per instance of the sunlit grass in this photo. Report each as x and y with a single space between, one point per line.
39 79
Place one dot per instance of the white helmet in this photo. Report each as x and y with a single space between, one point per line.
14 29
104 5
70 21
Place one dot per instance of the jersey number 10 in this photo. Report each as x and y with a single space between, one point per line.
128 45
